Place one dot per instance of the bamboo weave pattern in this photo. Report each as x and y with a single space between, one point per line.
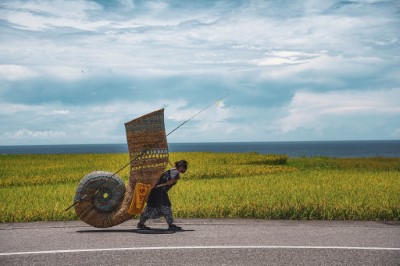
147 142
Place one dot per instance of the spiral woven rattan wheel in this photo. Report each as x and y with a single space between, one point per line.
99 192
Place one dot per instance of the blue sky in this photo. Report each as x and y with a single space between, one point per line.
73 72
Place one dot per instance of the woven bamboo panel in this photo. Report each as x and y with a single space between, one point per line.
148 147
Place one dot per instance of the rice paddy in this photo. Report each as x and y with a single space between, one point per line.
223 185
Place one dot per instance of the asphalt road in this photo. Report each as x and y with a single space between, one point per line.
204 242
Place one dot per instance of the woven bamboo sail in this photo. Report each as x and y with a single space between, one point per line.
147 142
148 152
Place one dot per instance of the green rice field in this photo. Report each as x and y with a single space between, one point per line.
216 185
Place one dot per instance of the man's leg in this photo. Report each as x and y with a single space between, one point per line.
144 216
167 212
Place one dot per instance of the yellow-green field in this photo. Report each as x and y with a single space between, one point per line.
249 185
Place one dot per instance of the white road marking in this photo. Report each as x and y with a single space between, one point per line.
194 247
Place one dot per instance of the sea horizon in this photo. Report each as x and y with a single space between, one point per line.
256 141
328 148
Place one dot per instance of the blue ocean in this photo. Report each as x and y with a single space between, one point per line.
337 149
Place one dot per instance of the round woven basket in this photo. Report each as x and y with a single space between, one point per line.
100 194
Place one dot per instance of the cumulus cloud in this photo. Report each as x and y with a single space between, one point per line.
315 110
72 66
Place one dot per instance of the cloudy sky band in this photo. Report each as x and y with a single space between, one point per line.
75 71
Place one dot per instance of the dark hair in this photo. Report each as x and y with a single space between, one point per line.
181 163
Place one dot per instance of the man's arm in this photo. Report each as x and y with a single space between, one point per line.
168 183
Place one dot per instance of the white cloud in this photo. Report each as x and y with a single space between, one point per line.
313 110
10 108
41 15
275 61
64 72
157 44
61 112
321 68
16 72
214 112
34 134
282 57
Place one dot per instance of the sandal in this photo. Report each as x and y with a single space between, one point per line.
174 227
142 227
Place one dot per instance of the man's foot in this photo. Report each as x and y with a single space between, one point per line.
142 227
174 227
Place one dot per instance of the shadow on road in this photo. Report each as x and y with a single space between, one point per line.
391 223
138 231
